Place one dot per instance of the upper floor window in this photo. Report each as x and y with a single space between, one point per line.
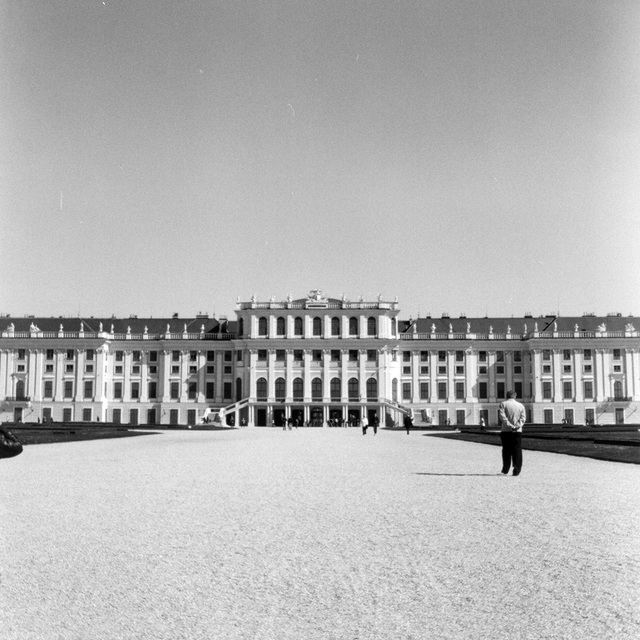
335 326
372 326
517 356
459 356
442 356
71 354
298 389
586 354
353 326
175 356
317 326
262 326
49 354
616 354
499 356
546 354
261 389
280 327
566 354
297 326
21 354
240 327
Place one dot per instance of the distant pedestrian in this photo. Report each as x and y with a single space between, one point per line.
482 424
376 422
365 426
512 418
408 422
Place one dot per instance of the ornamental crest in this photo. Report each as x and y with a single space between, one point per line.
316 295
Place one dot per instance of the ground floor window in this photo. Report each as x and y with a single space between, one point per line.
173 416
460 416
619 416
133 416
589 416
116 416
191 416
86 415
568 416
548 416
443 417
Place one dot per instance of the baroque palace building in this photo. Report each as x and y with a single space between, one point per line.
318 360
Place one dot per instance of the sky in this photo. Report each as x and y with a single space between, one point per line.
477 157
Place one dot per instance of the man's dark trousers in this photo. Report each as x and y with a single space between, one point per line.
511 450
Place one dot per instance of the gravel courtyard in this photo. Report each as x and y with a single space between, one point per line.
314 534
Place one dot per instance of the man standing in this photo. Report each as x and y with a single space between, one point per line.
512 417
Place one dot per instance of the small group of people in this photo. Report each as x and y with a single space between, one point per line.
375 423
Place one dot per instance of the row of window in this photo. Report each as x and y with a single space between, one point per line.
316 326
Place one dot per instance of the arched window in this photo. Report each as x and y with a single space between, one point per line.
317 326
262 326
261 388
335 326
335 389
20 389
394 326
372 389
316 389
354 389
372 326
394 389
297 326
280 327
298 389
617 390
238 389
353 326
281 391
240 327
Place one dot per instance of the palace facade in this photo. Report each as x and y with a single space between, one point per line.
315 360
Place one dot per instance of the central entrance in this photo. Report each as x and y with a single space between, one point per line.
316 415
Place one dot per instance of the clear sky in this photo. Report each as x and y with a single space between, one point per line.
466 156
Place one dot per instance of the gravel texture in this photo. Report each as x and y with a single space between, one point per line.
314 533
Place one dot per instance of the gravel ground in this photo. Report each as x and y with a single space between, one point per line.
314 533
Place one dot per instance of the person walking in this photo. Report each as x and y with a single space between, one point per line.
512 418
408 422
376 422
365 425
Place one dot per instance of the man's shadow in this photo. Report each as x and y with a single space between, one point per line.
488 475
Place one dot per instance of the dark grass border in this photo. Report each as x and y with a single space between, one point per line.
614 447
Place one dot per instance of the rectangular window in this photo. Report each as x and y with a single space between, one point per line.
48 368
566 354
517 387
119 356
298 355
567 390
69 368
193 356
459 370
192 369
193 390
133 416
424 391
335 355
406 391
228 356
90 355
227 391
173 416
135 370
175 356
586 354
175 390
616 354
211 369
406 370
500 390
137 356
118 369
442 356
227 368
316 355
88 388
116 416
442 371
135 390
459 390
88 368
424 370
517 370
68 388
86 415
517 356
239 356
589 416
546 368
353 355
117 390
406 356
500 369
71 354
191 416
175 369
588 368
546 354
48 388
460 416
546 390
459 356
211 356
588 389
153 356
153 390
566 368
482 356
442 390
262 354
49 354
482 370
210 391
280 355
548 416
372 355
151 416
483 392
499 356
424 356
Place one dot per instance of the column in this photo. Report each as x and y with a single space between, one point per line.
202 367
433 376
537 375
600 375
556 364
58 392
164 364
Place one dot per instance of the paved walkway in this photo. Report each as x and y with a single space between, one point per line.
314 534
